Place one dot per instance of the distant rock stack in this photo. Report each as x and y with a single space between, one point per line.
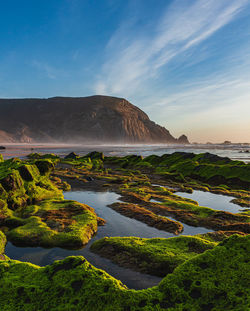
94 119
183 140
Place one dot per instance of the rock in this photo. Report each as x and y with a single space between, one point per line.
94 119
71 155
89 178
183 140
95 155
214 280
44 166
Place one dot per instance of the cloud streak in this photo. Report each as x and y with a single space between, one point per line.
133 57
48 70
219 105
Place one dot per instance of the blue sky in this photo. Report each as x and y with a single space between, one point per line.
186 63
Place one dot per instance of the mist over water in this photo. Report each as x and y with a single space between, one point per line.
233 151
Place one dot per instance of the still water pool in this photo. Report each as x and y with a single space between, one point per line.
116 225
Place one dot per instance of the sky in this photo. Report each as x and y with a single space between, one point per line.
186 63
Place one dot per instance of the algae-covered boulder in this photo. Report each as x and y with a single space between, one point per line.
53 223
216 280
50 156
155 256
3 193
95 155
5 212
28 172
45 166
70 284
71 155
34 212
12 181
204 167
3 242
21 182
148 217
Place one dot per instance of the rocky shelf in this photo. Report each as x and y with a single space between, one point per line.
201 272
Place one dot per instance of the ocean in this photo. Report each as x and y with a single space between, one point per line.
232 151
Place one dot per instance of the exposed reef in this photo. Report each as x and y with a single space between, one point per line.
33 211
3 242
205 272
133 177
186 167
217 279
156 256
148 217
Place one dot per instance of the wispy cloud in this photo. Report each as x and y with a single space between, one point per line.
134 55
205 109
48 70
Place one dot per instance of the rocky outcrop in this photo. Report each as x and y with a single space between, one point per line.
92 119
183 140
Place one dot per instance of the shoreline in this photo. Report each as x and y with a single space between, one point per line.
235 152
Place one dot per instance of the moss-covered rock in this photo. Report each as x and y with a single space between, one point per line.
95 155
71 284
157 256
28 172
62 185
53 223
22 183
148 217
45 166
3 242
33 210
217 279
182 209
205 167
5 212
180 166
149 203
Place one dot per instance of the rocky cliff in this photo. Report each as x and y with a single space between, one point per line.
84 119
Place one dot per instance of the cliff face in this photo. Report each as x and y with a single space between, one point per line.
85 119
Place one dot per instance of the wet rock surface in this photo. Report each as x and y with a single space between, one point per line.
200 272
203 282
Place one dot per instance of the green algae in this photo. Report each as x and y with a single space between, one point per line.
34 211
215 280
54 223
182 209
3 242
121 176
181 166
203 167
144 215
23 183
203 170
157 256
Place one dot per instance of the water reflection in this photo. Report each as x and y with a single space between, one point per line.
215 201
116 225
